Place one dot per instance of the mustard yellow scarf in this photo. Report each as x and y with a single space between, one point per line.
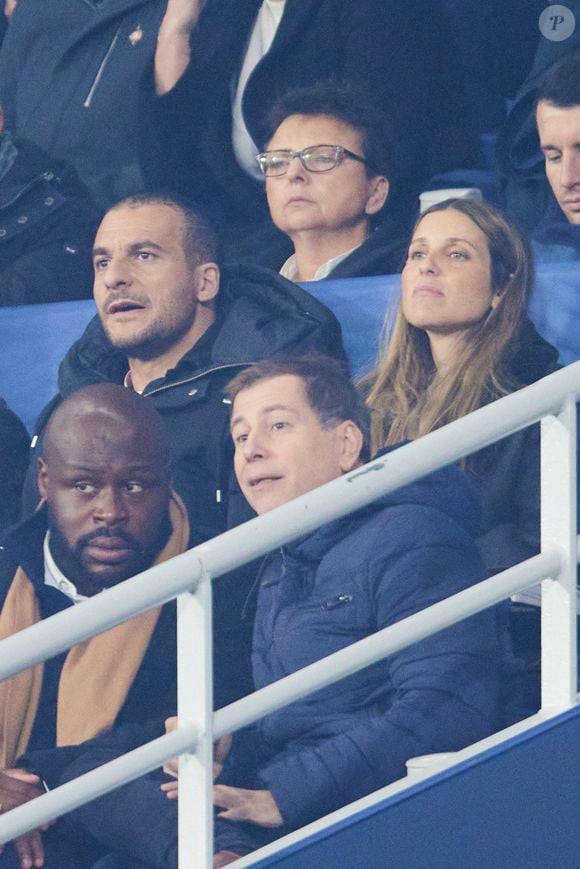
96 675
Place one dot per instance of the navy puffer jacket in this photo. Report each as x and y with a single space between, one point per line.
347 580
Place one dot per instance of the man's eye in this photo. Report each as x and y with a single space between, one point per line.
552 158
145 256
240 438
458 254
277 426
84 487
133 486
416 254
100 264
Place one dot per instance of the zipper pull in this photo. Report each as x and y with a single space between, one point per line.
339 600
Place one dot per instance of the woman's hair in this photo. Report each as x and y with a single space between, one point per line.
406 394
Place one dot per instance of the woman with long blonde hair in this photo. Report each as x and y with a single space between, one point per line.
462 338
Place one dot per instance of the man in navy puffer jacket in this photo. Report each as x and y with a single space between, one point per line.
297 425
339 584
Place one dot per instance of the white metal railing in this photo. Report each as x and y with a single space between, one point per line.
189 576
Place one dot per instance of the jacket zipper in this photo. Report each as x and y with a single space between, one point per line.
100 71
197 376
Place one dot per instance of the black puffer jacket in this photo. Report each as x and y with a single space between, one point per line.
260 315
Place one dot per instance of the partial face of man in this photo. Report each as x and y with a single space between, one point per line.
559 132
107 491
145 290
327 202
281 448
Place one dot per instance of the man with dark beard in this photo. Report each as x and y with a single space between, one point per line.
108 512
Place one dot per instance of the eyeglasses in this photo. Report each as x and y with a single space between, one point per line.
317 158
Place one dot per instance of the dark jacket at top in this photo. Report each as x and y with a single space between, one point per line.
383 252
507 474
70 74
399 53
340 584
154 690
13 462
47 226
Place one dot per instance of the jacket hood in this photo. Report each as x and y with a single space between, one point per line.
260 315
446 491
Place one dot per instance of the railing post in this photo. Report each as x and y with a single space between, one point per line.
558 512
195 705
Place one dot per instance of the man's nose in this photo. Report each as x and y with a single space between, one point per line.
117 274
110 506
570 170
254 447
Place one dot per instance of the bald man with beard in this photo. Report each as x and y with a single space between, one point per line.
108 512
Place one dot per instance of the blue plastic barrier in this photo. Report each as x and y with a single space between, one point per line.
514 807
34 338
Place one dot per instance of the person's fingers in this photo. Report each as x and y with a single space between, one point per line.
171 724
21 774
29 849
37 848
17 787
224 796
224 858
170 789
228 799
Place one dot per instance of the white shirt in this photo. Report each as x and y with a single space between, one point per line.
261 39
290 269
54 577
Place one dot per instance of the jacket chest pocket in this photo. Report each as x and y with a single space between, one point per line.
311 630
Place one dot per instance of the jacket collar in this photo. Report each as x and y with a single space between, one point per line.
23 544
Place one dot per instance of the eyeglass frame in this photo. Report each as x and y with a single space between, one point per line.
341 153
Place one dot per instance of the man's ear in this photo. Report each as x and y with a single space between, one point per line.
378 194
351 443
42 479
208 281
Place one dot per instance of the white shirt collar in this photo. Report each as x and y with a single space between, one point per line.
290 269
55 578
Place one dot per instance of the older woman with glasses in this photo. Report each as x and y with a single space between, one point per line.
221 64
328 166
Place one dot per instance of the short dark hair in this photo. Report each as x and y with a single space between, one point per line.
560 85
349 105
200 241
330 392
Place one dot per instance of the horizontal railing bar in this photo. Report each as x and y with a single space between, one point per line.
97 782
151 588
284 524
386 642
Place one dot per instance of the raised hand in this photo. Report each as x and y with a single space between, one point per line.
173 53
